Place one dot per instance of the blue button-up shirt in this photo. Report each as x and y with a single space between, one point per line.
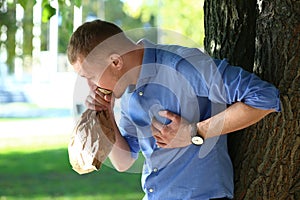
187 82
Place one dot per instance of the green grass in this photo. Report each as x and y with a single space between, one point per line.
48 175
43 172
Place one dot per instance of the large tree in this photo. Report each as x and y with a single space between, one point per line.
263 37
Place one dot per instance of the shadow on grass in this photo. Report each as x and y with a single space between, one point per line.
48 174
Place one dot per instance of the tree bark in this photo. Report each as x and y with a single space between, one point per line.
230 30
265 156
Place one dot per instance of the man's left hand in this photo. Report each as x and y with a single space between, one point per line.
173 135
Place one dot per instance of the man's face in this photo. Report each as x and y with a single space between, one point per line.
93 71
99 74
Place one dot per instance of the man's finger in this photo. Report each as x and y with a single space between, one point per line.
107 97
92 100
156 124
97 100
158 138
94 107
154 130
161 144
168 114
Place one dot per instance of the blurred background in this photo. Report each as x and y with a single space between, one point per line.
37 84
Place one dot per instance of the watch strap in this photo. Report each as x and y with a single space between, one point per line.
196 138
194 130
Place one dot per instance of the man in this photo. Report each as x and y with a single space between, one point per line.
177 106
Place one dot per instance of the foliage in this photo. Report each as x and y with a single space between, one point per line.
9 25
25 3
48 11
186 18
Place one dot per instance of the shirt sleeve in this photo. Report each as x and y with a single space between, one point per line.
129 132
240 85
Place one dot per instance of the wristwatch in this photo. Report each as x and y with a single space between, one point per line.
196 139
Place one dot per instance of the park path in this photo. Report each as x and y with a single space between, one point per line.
35 132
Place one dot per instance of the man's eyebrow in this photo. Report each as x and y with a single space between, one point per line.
85 76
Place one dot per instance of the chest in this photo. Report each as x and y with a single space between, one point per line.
146 101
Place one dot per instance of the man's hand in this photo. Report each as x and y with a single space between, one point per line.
174 135
98 101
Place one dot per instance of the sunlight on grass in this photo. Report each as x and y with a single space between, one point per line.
35 134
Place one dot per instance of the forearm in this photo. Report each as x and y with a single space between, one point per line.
235 117
120 155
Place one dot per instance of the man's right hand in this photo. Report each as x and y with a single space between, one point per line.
98 101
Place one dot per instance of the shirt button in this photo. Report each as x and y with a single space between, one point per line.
151 190
141 93
155 170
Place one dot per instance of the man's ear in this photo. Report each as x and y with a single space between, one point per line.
116 61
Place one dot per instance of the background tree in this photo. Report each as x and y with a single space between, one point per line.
27 28
163 14
184 17
8 31
262 37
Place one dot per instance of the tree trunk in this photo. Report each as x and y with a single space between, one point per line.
230 30
8 19
265 156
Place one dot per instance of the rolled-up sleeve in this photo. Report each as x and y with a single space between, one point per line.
128 131
242 86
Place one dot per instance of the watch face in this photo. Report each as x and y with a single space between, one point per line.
197 140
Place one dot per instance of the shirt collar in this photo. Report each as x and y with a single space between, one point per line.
148 68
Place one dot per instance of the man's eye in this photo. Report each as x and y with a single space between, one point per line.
88 77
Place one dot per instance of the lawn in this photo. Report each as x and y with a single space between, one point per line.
36 166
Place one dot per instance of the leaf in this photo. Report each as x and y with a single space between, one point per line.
48 12
61 3
22 3
77 3
44 2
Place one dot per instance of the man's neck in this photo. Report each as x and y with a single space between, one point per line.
134 60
